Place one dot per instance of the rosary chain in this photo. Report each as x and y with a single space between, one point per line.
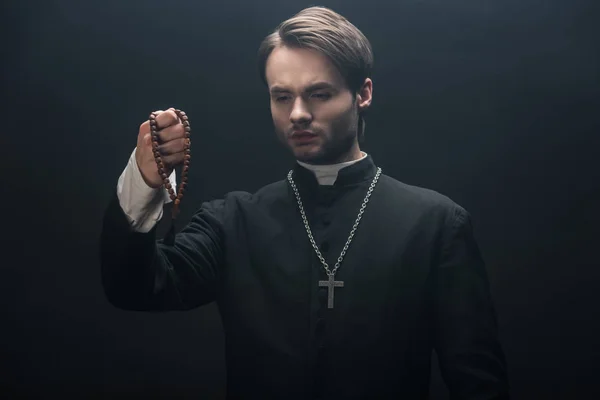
176 198
308 230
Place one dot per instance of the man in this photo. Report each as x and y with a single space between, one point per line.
335 282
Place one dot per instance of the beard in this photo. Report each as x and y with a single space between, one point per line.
334 146
333 149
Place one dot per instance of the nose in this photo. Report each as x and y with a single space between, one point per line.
300 114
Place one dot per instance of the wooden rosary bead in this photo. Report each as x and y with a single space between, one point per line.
176 198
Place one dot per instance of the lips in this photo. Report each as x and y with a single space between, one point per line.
303 137
302 134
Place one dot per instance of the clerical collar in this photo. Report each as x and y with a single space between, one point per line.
328 174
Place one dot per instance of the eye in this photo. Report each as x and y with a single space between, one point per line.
281 99
322 96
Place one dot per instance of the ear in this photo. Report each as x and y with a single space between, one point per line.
364 97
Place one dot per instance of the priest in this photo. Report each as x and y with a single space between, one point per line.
337 281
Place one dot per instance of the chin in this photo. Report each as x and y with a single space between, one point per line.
316 156
306 152
307 155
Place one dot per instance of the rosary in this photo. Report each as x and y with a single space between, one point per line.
176 198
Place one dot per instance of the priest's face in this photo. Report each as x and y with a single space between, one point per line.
314 113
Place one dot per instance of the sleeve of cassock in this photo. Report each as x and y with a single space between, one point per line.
471 359
142 273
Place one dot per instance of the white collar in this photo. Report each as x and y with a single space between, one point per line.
327 174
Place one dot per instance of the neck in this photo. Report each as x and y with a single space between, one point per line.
353 154
327 174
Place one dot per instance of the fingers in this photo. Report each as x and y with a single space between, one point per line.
171 132
167 118
168 124
163 119
171 136
173 146
173 159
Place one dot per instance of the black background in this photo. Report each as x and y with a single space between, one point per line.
493 103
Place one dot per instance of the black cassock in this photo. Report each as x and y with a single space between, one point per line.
414 281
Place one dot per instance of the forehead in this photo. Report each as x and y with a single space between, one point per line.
297 68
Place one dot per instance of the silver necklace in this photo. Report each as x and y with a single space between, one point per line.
331 283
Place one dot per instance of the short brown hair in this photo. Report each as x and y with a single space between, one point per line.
322 29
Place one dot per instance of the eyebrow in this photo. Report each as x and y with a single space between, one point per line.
310 88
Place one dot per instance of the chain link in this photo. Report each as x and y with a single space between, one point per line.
307 226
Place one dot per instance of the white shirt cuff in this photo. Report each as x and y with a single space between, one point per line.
142 204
